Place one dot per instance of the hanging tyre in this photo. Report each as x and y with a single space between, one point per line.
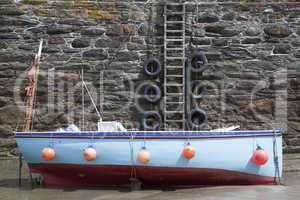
151 120
196 118
197 89
198 62
152 67
152 93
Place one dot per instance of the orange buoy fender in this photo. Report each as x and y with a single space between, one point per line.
48 154
260 156
90 154
189 152
144 156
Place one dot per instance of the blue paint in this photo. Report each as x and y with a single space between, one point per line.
232 153
150 134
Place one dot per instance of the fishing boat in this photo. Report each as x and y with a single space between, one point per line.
154 158
113 155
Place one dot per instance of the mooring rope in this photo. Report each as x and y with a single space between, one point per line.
276 160
133 169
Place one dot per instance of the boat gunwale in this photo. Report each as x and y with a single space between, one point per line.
149 134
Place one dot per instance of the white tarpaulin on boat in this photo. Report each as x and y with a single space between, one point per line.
110 126
70 128
232 128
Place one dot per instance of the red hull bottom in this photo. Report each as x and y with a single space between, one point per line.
67 175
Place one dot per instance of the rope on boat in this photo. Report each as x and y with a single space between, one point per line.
133 169
82 99
20 169
92 100
276 160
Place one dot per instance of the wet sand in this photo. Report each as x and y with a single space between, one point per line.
9 189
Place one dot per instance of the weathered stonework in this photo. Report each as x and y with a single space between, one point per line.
254 61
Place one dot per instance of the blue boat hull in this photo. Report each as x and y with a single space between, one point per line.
221 158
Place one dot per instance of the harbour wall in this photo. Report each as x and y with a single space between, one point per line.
253 51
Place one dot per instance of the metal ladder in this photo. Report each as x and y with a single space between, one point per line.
174 65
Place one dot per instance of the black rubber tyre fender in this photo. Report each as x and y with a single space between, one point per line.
196 118
198 62
197 89
152 93
152 67
151 120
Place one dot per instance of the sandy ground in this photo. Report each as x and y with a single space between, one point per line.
290 189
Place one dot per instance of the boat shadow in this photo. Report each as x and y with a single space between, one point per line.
27 186
14 183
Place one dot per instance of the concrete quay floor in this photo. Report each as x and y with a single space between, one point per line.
290 188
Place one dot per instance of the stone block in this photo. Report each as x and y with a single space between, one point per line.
282 49
127 56
106 42
63 29
93 31
279 31
95 54
56 40
11 11
220 42
208 18
201 41
9 56
80 43
251 40
253 31
3 45
229 16
9 36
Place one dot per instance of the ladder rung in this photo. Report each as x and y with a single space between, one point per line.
173 94
169 12
175 120
173 111
174 67
175 31
174 4
175 22
174 49
174 40
174 76
174 102
175 58
173 85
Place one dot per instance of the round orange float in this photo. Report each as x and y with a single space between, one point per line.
260 156
48 154
144 156
90 154
189 152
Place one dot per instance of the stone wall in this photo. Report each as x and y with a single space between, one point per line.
253 48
